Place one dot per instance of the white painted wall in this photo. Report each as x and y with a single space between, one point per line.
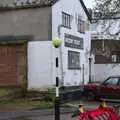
100 32
102 71
72 7
41 55
39 64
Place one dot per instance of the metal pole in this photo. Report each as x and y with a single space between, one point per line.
83 75
90 70
57 100
57 109
61 66
57 87
57 43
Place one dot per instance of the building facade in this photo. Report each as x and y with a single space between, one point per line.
105 48
37 25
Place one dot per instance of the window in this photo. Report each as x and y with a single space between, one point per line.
111 81
106 51
73 60
80 26
66 20
119 82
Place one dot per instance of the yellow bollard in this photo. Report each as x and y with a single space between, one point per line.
103 105
81 108
79 111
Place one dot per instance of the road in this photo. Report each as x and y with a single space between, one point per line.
48 114
48 117
36 115
45 114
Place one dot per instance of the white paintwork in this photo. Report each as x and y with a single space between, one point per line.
41 55
102 71
100 32
39 64
74 8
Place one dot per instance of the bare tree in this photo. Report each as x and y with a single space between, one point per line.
106 19
107 13
108 8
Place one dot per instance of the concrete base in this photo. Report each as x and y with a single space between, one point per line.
71 93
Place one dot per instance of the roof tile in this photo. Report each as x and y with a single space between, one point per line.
13 3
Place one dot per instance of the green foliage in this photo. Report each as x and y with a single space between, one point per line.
56 42
9 91
4 91
31 100
12 93
24 104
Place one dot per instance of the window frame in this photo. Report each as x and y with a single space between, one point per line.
66 20
81 26
104 83
75 57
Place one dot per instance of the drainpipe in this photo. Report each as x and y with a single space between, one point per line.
61 57
83 81
90 61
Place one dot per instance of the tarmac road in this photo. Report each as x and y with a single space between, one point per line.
45 114
66 116
48 114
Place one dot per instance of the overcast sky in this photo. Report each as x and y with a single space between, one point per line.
89 3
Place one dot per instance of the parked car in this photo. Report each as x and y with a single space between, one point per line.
109 89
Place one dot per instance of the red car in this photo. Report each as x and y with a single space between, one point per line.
110 88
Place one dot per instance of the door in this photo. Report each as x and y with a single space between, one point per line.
12 65
7 65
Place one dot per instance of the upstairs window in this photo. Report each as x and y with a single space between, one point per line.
81 26
66 20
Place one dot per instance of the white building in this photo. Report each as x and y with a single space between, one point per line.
44 21
70 24
105 47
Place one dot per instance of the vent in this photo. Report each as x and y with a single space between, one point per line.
114 58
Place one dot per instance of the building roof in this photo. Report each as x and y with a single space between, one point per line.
24 4
40 2
86 10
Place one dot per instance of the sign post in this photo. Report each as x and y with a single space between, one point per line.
57 42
